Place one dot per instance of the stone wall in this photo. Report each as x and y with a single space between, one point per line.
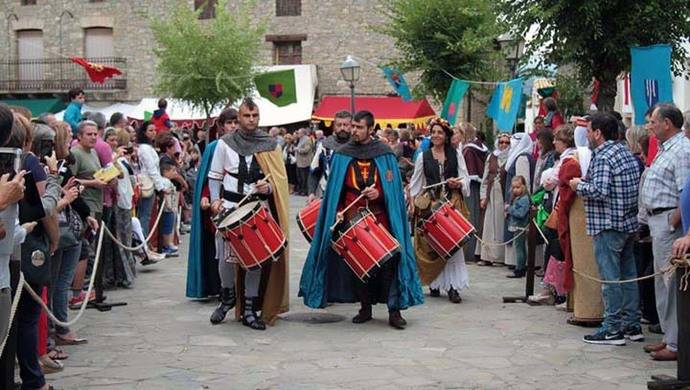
333 29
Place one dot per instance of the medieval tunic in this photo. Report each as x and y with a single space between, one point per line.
494 219
474 155
433 270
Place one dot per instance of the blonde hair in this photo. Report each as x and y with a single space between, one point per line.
63 135
469 132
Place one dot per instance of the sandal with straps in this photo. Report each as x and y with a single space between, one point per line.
57 354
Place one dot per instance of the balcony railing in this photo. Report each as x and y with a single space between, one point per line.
57 75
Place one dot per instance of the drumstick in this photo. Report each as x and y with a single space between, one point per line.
438 184
250 194
339 216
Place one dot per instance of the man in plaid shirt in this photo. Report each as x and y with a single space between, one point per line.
610 192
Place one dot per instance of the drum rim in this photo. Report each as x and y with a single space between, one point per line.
352 222
383 260
254 209
303 229
435 208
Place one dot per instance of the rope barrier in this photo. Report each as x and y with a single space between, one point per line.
136 248
85 302
674 264
13 310
497 244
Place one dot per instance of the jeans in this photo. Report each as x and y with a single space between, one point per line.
28 313
144 213
520 251
615 257
64 264
168 222
665 287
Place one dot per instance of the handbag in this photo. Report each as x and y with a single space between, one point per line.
555 275
35 259
146 184
552 221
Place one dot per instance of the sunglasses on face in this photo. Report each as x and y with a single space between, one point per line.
504 142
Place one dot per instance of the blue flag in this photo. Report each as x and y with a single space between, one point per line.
650 78
505 104
451 107
397 81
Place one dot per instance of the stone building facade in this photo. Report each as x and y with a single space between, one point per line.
47 32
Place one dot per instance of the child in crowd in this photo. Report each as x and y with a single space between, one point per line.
170 203
518 219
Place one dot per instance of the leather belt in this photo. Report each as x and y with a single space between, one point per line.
232 196
659 210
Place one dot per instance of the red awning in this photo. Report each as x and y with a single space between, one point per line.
386 109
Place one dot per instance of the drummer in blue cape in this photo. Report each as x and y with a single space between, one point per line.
361 249
249 198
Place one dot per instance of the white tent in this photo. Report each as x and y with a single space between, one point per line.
271 115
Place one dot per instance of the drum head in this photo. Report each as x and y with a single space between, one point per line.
346 224
242 213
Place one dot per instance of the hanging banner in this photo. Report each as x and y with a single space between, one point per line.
505 104
451 107
650 78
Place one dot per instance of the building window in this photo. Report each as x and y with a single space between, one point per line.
208 8
27 2
98 43
287 53
288 7
30 57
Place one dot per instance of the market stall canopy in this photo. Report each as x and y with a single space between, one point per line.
179 111
37 106
107 111
386 109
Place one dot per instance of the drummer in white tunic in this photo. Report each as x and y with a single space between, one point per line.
232 177
441 162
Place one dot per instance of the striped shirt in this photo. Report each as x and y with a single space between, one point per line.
668 173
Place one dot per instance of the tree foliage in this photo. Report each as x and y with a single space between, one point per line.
439 36
596 35
207 63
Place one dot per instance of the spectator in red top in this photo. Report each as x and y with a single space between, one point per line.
653 143
553 118
160 118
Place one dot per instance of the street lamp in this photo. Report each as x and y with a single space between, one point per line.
350 71
513 47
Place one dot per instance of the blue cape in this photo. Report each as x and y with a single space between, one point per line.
197 285
326 277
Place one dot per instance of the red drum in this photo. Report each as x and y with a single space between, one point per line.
307 217
254 236
364 244
446 230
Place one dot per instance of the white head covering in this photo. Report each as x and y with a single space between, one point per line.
520 143
583 151
501 154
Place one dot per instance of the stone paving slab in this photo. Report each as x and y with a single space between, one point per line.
161 340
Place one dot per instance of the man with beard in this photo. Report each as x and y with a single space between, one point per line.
321 163
363 166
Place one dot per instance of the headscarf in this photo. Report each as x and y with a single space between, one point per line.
520 143
583 151
501 154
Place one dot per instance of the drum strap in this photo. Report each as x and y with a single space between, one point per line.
232 196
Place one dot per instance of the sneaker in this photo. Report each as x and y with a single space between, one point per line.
562 306
169 252
75 302
634 333
604 338
154 256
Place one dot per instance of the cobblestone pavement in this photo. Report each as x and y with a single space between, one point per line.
161 340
